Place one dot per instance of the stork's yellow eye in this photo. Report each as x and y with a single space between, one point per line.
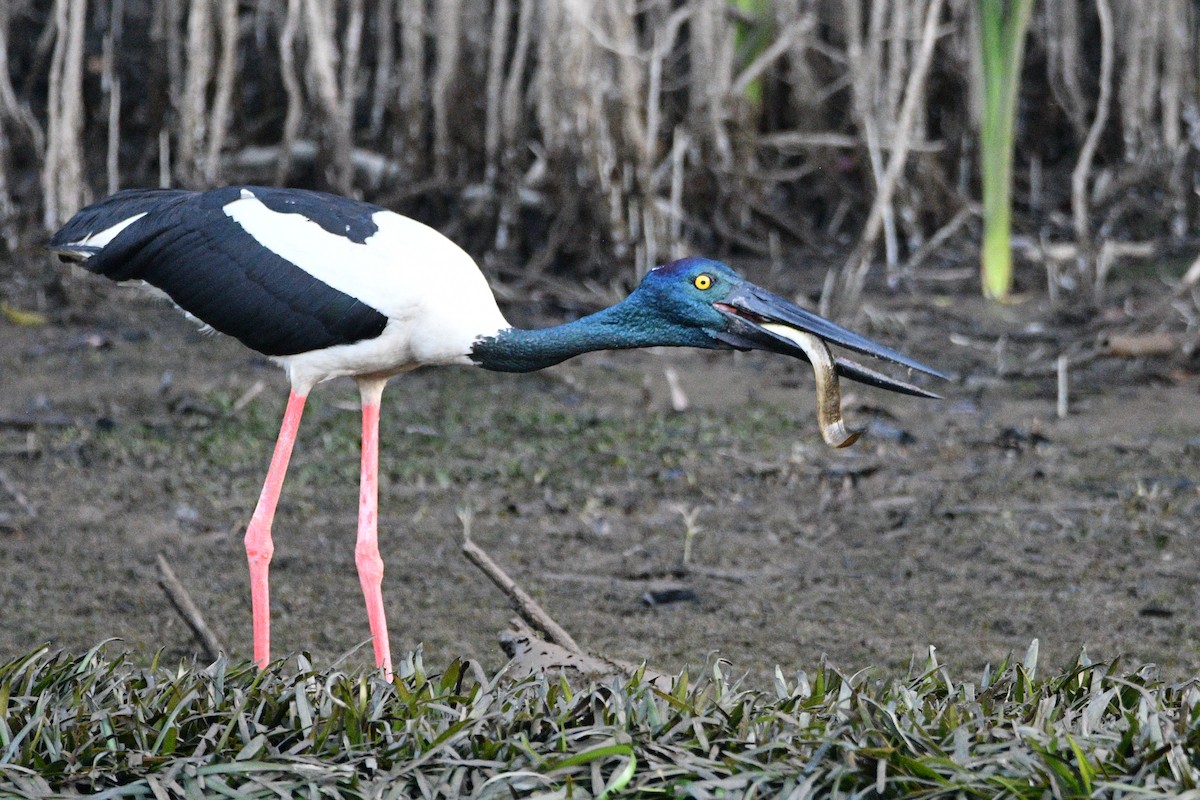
703 282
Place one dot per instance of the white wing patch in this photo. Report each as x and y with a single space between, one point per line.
103 237
392 269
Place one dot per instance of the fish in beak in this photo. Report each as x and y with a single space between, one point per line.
761 320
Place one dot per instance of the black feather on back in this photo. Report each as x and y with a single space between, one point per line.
188 247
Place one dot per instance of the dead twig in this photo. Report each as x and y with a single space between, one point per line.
188 610
792 141
521 602
248 396
14 490
964 215
679 398
639 583
24 422
1063 406
1043 369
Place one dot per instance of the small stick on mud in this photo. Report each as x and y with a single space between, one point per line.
248 396
18 495
23 422
1063 387
521 602
679 398
187 609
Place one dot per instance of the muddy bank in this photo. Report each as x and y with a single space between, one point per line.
974 524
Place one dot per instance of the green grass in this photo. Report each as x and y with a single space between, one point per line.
100 724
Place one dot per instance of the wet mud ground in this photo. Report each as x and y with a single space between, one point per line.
974 524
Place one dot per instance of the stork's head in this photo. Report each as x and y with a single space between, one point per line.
710 305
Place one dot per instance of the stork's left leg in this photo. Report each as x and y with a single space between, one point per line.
366 552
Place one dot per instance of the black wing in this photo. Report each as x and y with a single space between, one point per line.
187 246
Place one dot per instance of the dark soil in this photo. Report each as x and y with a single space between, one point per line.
974 524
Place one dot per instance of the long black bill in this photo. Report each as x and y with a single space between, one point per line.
753 312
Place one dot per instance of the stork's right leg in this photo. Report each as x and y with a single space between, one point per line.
366 549
258 533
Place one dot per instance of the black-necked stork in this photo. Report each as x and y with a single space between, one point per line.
331 287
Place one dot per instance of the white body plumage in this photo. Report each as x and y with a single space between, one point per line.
306 254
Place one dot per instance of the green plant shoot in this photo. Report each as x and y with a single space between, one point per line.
754 31
1003 24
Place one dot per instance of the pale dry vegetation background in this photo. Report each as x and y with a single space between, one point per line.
584 139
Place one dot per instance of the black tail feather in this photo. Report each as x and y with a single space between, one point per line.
70 243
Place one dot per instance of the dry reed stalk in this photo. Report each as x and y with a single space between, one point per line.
12 107
218 124
9 112
580 93
627 58
508 130
385 57
322 61
497 50
1140 49
447 20
291 87
411 82
904 25
193 111
864 70
172 22
1176 73
856 269
1179 73
665 36
679 148
1063 39
644 219
111 79
871 72
804 85
548 77
818 140
1153 97
351 57
576 84
510 110
1138 46
1083 166
63 186
711 49
9 231
164 158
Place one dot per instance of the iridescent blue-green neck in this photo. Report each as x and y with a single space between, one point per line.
629 324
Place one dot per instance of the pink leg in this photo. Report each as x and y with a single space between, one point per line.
258 533
366 551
